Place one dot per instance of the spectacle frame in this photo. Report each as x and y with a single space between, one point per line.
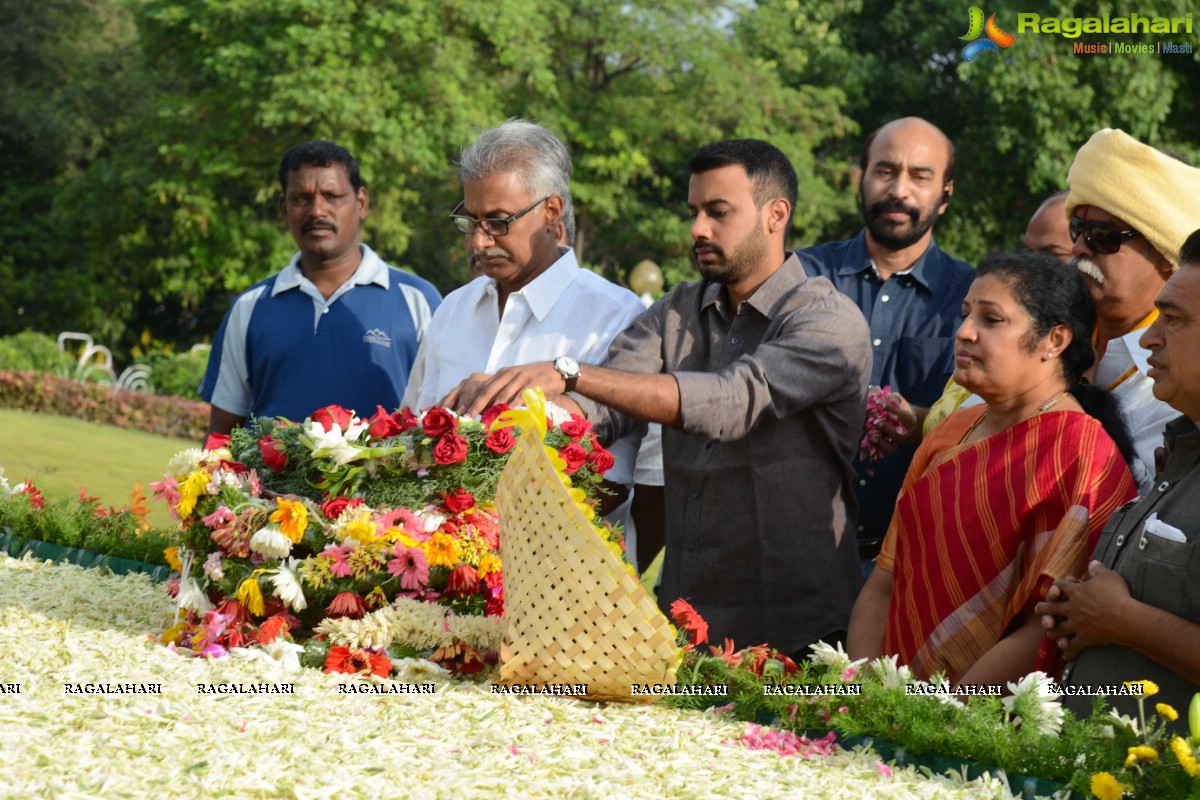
492 226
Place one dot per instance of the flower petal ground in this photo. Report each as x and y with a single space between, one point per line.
60 624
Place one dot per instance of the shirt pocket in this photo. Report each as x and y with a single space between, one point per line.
1163 571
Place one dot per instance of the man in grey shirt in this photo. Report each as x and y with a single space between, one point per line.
759 376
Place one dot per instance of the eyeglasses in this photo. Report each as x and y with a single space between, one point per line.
1100 238
494 228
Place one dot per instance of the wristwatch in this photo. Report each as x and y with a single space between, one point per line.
569 369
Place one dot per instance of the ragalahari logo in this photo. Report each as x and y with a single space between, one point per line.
994 39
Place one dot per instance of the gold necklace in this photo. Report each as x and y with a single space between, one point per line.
1041 409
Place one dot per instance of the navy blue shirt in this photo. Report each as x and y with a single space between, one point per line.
913 318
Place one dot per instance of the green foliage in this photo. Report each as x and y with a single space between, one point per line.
52 394
87 525
179 375
1016 117
142 137
33 352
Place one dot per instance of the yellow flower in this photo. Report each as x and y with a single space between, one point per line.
190 490
249 595
1149 688
442 550
1166 712
172 554
361 528
488 564
1140 753
292 517
173 634
1187 759
1106 787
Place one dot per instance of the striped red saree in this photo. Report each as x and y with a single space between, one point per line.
981 530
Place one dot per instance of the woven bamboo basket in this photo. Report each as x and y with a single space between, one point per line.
573 613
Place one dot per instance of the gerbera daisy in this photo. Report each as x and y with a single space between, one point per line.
347 604
411 567
352 661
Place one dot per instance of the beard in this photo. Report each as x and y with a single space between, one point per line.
739 264
891 234
1088 268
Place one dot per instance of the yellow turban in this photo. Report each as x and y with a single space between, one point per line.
1159 196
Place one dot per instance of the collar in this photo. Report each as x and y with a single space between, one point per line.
766 298
857 260
543 292
1130 342
371 269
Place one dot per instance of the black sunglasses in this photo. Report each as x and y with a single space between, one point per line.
492 226
1100 238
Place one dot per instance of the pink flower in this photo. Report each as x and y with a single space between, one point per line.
340 568
168 489
410 566
219 518
883 769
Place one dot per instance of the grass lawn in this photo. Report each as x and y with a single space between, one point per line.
61 454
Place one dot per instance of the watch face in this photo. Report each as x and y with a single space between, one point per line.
566 365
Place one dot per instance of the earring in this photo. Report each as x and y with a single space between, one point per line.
1050 354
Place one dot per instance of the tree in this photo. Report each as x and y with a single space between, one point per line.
1017 117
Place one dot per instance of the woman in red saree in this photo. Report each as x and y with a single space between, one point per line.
1001 499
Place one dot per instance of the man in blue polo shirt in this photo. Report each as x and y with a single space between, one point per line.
908 289
337 325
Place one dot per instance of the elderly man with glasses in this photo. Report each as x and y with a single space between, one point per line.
532 302
1129 209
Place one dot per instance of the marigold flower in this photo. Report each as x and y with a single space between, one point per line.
1149 688
1166 712
1187 759
292 517
488 564
250 596
172 556
1140 753
1106 787
442 550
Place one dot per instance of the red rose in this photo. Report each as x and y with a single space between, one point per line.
575 427
489 415
332 509
600 460
273 453
332 415
450 449
438 422
500 440
574 455
463 579
459 501
383 425
216 441
406 419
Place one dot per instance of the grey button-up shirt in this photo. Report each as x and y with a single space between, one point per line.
759 485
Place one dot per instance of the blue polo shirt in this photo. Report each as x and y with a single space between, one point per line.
283 350
913 318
